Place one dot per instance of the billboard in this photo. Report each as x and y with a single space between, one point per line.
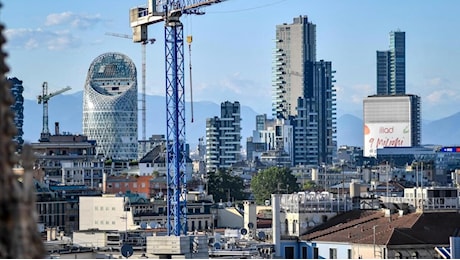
379 135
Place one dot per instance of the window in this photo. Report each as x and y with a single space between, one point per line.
332 253
286 223
289 252
350 254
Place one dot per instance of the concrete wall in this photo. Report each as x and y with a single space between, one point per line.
229 217
104 213
89 239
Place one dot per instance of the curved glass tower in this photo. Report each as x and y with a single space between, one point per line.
110 106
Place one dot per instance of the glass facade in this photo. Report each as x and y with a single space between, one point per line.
110 106
391 66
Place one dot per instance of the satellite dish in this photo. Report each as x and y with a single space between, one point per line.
250 225
153 224
143 225
261 235
267 203
127 250
243 231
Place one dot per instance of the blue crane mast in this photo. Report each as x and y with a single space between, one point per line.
169 12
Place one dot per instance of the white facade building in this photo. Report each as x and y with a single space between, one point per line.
105 213
391 121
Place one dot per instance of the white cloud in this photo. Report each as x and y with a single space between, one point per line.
56 34
80 21
58 19
354 94
234 88
365 89
438 81
37 38
441 96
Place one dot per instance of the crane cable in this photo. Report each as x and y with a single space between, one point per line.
189 41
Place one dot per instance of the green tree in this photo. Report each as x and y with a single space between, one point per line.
273 180
224 186
311 186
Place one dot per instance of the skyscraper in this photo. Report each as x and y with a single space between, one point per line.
315 124
391 117
18 108
391 66
110 106
304 92
223 137
294 54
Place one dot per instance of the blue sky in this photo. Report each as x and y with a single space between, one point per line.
55 41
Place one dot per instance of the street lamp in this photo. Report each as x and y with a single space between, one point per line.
373 228
125 218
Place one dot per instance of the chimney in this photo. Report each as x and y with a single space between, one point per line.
104 183
56 128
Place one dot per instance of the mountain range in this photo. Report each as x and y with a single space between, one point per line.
68 110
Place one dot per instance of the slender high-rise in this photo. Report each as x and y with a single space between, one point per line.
223 137
315 124
391 66
304 93
294 55
110 106
391 118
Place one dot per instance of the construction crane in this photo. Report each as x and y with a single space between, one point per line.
143 109
44 98
169 12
